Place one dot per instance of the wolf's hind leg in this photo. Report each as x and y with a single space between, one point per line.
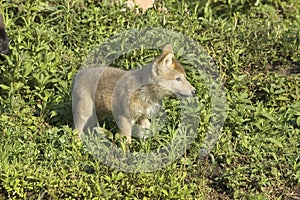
84 115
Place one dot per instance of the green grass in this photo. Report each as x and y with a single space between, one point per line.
255 44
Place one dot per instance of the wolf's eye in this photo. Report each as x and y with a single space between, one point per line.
178 79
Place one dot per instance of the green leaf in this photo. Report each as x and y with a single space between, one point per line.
275 142
4 87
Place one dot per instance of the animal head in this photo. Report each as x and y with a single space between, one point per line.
170 74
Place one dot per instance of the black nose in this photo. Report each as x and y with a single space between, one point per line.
194 91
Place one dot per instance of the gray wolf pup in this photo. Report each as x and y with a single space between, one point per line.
129 96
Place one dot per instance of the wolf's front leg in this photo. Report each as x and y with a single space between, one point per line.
145 126
125 124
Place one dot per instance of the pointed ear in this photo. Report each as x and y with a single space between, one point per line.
168 60
167 49
163 63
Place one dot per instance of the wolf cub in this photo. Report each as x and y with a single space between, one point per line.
129 96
